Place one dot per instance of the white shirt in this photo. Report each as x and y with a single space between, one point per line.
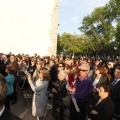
1 112
98 102
95 83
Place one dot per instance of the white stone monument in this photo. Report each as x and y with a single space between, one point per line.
29 26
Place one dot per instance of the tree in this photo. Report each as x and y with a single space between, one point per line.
71 43
98 29
100 32
117 34
113 10
59 46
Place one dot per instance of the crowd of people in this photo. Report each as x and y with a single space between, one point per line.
89 88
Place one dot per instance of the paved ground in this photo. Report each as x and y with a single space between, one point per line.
23 109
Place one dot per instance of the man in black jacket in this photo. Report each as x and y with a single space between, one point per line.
5 114
115 94
53 73
5 62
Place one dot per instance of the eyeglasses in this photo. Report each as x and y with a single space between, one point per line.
83 70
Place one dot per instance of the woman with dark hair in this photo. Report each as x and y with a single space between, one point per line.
98 78
107 73
102 107
10 78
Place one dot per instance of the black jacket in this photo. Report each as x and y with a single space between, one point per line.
3 72
60 86
102 79
115 96
105 109
7 115
53 73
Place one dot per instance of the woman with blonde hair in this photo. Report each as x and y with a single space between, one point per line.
39 88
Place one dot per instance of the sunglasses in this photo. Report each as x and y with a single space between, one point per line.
59 66
83 70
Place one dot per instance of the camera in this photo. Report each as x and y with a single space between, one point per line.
27 73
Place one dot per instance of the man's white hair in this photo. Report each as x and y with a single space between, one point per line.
86 65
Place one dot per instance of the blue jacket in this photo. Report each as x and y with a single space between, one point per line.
83 89
10 80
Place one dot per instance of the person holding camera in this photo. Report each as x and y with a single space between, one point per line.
39 88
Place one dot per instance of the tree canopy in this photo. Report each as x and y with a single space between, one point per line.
100 32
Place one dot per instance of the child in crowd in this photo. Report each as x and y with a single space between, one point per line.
70 84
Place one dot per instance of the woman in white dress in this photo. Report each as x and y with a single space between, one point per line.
39 88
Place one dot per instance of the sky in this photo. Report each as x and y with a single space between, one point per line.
71 13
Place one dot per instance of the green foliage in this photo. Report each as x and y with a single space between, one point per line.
101 32
117 34
59 46
113 9
69 42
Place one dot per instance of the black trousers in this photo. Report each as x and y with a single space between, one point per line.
57 111
74 115
14 95
7 101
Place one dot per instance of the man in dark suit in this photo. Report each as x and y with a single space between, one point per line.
53 73
115 94
5 62
5 114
